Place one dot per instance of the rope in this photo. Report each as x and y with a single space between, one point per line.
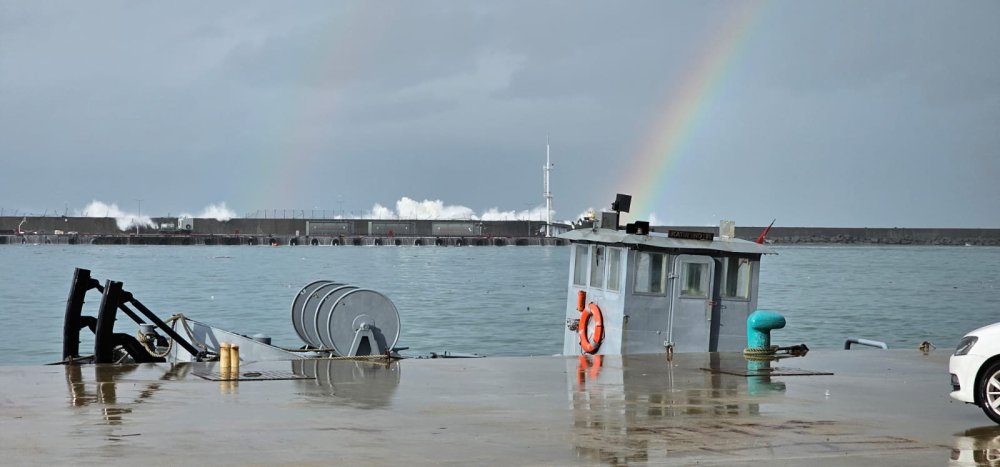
342 357
149 343
775 353
187 329
760 352
308 350
363 358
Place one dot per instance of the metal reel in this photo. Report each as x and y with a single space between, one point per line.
344 318
361 322
303 311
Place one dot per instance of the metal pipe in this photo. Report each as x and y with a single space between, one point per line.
128 311
104 333
163 326
868 342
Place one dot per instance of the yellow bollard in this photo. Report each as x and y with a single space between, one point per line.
234 360
224 356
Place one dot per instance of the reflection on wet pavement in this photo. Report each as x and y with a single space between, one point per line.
363 384
638 409
104 391
977 447
885 408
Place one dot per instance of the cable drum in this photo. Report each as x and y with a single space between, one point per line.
297 306
304 308
354 311
322 316
313 309
344 318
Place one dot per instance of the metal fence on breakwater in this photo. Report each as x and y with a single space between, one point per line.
275 240
403 232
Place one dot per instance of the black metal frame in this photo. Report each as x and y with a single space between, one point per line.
114 298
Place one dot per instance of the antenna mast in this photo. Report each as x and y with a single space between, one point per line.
548 193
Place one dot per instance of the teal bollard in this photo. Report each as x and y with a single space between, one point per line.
759 326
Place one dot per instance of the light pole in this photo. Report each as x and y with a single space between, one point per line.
548 193
137 221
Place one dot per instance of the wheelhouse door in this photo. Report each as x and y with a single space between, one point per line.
691 320
736 300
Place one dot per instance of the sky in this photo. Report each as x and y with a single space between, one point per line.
815 113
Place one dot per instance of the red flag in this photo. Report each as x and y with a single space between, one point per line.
763 234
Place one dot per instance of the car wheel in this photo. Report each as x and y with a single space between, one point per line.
989 391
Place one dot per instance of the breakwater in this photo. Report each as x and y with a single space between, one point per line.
275 240
331 232
865 235
402 232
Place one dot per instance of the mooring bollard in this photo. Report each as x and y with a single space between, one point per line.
234 360
760 323
224 356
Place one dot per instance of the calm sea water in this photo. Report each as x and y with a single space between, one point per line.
489 300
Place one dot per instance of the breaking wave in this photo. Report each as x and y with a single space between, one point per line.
407 208
123 219
126 220
218 212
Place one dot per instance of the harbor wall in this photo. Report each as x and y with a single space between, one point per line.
863 235
278 227
86 230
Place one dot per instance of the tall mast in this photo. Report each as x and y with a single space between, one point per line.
548 192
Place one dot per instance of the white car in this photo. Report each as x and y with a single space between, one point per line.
975 370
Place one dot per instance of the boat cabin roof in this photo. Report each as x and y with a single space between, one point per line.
658 240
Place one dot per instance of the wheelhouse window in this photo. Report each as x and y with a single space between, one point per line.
597 265
580 265
614 269
736 278
650 272
694 280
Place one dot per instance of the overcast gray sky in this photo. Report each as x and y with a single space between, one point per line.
836 113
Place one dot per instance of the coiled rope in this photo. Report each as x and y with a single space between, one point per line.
149 343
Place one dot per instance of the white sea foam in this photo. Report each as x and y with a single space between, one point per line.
126 220
218 212
407 208
123 219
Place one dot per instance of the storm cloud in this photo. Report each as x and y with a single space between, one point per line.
847 113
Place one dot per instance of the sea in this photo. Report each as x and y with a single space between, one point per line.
492 301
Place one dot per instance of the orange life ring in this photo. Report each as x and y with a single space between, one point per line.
588 344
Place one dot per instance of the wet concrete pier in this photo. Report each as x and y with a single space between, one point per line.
878 408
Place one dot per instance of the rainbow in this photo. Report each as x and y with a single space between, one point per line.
299 129
681 112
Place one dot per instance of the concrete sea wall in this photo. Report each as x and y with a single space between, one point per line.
90 230
865 235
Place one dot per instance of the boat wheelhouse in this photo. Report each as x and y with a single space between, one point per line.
637 291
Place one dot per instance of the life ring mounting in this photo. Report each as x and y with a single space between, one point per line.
591 344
